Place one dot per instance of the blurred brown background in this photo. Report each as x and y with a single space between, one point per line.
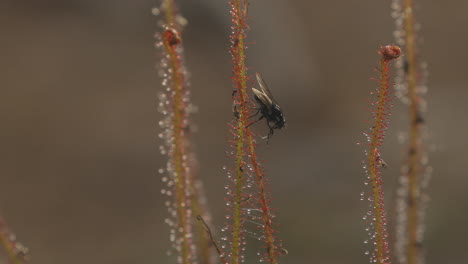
79 149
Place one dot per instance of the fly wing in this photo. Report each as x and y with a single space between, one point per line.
264 88
263 98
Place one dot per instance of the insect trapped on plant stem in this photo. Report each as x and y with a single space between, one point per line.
379 160
268 107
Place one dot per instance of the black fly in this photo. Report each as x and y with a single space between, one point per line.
268 107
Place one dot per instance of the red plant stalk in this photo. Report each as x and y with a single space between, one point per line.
247 171
180 171
411 207
375 162
188 198
16 252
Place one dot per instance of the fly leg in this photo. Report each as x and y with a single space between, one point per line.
256 113
261 117
270 134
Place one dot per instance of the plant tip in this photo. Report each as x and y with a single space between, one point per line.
390 52
172 36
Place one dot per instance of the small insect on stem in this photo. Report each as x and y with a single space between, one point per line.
379 160
284 252
235 42
235 111
268 107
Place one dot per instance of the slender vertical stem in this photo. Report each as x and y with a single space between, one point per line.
179 170
171 40
415 135
169 7
267 222
190 241
241 83
374 168
237 228
374 162
245 144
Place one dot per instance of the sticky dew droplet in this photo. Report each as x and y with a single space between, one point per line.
155 11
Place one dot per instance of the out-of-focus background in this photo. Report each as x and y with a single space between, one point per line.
78 139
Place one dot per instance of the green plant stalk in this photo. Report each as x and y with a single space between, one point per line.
241 79
415 136
169 11
245 142
236 234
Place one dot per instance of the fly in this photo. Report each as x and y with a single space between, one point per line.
268 107
379 160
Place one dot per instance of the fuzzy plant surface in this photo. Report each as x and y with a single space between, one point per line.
411 83
16 252
186 200
248 198
376 217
